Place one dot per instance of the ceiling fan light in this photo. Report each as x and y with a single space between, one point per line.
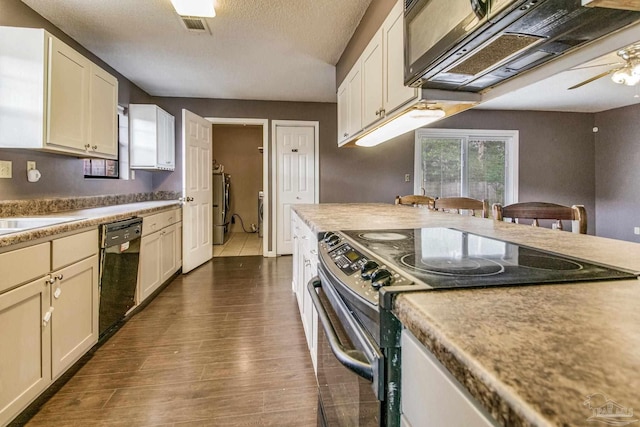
632 80
620 76
635 70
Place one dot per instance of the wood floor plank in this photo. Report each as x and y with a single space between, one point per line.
220 346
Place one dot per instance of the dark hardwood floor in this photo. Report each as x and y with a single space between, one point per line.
221 346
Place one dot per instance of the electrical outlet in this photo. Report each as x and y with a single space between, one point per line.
636 230
5 168
31 165
407 177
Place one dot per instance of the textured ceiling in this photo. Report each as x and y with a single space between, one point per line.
265 50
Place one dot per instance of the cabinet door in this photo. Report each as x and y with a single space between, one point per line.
26 344
68 99
395 92
149 278
355 100
103 115
343 112
74 324
372 80
166 140
168 265
178 245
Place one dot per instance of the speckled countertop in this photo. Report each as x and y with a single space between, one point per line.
531 354
85 218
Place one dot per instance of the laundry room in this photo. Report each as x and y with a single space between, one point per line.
237 189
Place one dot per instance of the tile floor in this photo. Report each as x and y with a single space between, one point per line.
239 244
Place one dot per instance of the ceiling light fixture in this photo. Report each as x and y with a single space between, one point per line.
629 74
409 120
199 8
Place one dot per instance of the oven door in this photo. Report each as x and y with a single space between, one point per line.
350 365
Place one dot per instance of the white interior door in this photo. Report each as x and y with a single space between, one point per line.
296 163
197 228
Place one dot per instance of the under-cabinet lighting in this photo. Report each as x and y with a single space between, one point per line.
199 8
409 120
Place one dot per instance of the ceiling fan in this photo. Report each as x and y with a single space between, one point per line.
626 72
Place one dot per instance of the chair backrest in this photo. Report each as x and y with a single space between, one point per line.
415 200
543 210
456 204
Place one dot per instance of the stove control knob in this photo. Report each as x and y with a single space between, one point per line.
367 269
333 240
327 236
381 278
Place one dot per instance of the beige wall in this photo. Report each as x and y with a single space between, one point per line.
236 147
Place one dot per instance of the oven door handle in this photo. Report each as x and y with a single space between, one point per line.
354 360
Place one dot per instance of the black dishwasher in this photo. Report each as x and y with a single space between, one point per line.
119 256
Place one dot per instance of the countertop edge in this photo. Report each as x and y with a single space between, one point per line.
90 217
498 399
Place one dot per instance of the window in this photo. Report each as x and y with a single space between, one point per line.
481 164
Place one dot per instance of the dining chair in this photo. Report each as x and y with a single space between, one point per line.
459 204
542 210
415 200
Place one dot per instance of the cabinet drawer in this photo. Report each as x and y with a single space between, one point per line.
156 222
68 250
23 265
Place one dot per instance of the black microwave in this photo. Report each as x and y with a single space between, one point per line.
433 27
474 45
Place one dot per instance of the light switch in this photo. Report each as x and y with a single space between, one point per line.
5 168
407 177
636 230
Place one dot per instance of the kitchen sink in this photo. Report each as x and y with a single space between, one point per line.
14 225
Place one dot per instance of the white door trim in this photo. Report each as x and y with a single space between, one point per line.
265 172
274 170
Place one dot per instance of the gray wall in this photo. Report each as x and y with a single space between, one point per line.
62 175
556 159
617 149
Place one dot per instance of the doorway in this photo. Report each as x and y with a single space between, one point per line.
239 161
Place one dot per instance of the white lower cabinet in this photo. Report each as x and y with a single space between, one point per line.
431 396
160 251
25 359
305 267
47 321
75 299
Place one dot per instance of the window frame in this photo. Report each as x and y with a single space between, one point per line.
511 155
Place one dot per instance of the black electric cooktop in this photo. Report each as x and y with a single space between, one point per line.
449 258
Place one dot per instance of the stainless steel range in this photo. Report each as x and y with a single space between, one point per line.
361 272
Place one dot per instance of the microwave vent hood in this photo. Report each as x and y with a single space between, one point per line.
523 36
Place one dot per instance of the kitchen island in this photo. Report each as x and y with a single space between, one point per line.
531 355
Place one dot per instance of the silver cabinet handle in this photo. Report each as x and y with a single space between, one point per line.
47 317
59 277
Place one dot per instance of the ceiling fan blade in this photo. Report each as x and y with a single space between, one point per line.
596 77
584 67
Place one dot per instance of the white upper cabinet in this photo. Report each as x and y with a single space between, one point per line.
395 92
103 117
350 105
152 137
372 83
68 98
53 98
380 74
